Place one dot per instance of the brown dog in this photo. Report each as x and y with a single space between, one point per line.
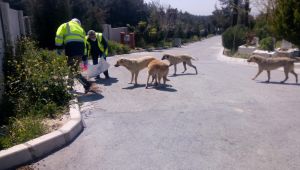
174 60
134 65
273 63
158 70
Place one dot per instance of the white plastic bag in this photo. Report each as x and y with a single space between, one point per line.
103 66
95 70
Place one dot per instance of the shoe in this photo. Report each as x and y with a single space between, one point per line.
97 77
87 89
107 77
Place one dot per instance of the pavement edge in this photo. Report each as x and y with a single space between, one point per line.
46 144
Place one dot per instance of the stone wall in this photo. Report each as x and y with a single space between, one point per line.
11 28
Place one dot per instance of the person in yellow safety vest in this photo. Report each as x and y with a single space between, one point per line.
97 46
71 37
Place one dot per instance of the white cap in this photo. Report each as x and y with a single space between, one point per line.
76 20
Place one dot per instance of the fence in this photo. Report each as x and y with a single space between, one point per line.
12 26
113 33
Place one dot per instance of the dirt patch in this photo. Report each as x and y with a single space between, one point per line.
56 123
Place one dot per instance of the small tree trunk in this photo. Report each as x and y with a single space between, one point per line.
247 9
235 12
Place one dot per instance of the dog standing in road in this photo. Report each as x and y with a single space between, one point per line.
273 63
158 70
174 60
134 65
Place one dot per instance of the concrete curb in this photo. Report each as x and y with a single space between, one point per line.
41 146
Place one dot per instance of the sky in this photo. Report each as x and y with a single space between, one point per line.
197 7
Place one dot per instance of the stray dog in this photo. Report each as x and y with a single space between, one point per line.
134 65
174 60
157 69
269 64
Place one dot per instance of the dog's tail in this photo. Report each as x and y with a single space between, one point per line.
195 59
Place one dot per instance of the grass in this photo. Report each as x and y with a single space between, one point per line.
20 130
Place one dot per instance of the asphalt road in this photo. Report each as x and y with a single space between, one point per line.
218 119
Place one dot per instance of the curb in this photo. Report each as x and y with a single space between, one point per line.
44 145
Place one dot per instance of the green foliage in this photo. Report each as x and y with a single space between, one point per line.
35 81
286 22
47 17
267 44
20 130
117 48
233 37
262 28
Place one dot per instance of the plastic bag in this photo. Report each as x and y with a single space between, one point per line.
95 70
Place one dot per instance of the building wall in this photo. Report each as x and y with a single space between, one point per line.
113 34
11 28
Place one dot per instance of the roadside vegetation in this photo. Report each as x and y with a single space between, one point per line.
35 88
278 19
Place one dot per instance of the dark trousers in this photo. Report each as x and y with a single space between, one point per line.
73 63
95 62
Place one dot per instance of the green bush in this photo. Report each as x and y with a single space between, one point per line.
117 48
233 37
35 81
20 130
267 44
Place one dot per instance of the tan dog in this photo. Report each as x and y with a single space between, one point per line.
158 70
174 60
134 65
273 63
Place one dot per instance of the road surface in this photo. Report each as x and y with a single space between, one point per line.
218 119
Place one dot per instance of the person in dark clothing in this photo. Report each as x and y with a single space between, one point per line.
97 46
71 37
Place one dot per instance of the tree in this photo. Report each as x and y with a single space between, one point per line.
286 22
47 16
235 12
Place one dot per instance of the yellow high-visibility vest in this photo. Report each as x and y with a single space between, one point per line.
99 37
69 32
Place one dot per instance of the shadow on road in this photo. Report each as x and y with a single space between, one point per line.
279 83
90 97
166 88
107 82
183 74
134 86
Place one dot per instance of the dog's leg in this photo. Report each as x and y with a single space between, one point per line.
136 76
286 72
175 69
148 80
165 79
295 74
258 73
184 66
132 75
269 76
190 64
153 78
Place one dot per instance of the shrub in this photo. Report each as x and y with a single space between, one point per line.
117 48
267 44
233 37
35 81
20 130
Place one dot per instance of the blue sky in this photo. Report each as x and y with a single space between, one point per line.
198 7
